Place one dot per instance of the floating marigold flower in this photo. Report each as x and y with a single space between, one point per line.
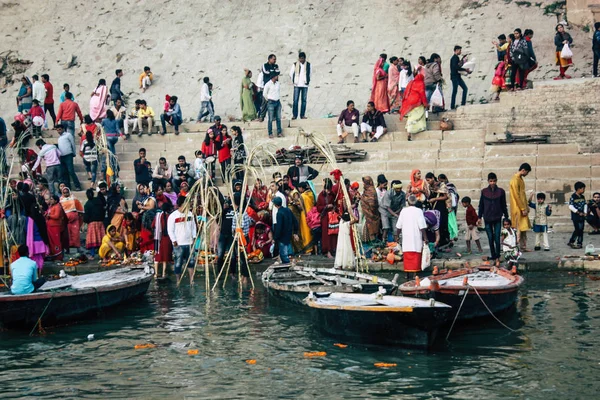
340 345
385 365
193 352
144 346
251 362
311 354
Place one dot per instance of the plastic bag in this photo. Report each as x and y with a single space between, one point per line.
425 258
437 99
470 65
566 52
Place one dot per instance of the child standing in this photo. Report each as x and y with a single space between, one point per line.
540 220
471 217
578 207
510 250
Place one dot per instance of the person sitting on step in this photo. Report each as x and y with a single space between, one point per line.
373 123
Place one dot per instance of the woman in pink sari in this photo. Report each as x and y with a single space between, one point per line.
379 91
393 81
99 101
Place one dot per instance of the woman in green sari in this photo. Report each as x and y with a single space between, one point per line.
246 93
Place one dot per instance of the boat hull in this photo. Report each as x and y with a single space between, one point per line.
294 283
496 298
61 306
418 328
298 294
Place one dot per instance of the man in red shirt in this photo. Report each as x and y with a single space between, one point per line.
49 101
67 111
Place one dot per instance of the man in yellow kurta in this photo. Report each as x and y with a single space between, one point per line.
518 205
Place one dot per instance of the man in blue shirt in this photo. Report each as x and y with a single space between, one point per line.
285 228
24 273
172 116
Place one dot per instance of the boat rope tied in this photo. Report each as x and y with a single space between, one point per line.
491 313
458 312
39 321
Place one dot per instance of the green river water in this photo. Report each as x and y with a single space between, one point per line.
552 355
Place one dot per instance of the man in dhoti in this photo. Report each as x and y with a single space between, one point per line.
411 224
519 206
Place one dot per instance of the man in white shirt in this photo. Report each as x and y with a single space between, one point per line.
300 74
271 93
206 108
411 223
182 232
260 102
51 156
38 90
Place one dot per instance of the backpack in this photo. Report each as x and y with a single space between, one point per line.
521 54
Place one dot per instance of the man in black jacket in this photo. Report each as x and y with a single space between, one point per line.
492 206
285 228
299 172
457 80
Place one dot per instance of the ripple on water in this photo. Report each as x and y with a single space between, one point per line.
557 331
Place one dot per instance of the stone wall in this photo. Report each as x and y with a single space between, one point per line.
183 41
567 110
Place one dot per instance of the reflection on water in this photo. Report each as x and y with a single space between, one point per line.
551 355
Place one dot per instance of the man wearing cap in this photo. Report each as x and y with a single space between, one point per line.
285 227
299 172
393 202
271 92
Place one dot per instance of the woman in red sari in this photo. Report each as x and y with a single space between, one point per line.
414 104
259 192
56 223
325 204
74 212
379 90
262 240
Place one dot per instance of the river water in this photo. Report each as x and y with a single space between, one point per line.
552 355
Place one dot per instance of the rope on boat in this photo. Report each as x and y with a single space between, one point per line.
39 321
491 313
458 312
485 305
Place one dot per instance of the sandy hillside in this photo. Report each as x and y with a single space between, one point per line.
184 41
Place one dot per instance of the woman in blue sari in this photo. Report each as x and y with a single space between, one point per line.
24 98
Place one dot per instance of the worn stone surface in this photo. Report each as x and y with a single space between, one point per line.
185 41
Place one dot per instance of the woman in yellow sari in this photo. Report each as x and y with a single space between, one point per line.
112 244
307 198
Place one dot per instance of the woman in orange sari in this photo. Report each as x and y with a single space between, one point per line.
379 90
74 212
418 186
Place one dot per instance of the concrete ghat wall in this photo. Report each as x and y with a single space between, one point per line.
183 41
567 110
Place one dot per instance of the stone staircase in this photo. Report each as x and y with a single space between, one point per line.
461 154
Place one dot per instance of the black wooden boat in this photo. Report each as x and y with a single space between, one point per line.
74 296
496 287
379 319
295 282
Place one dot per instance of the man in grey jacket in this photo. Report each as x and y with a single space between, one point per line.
66 146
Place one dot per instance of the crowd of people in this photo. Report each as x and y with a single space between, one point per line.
289 216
